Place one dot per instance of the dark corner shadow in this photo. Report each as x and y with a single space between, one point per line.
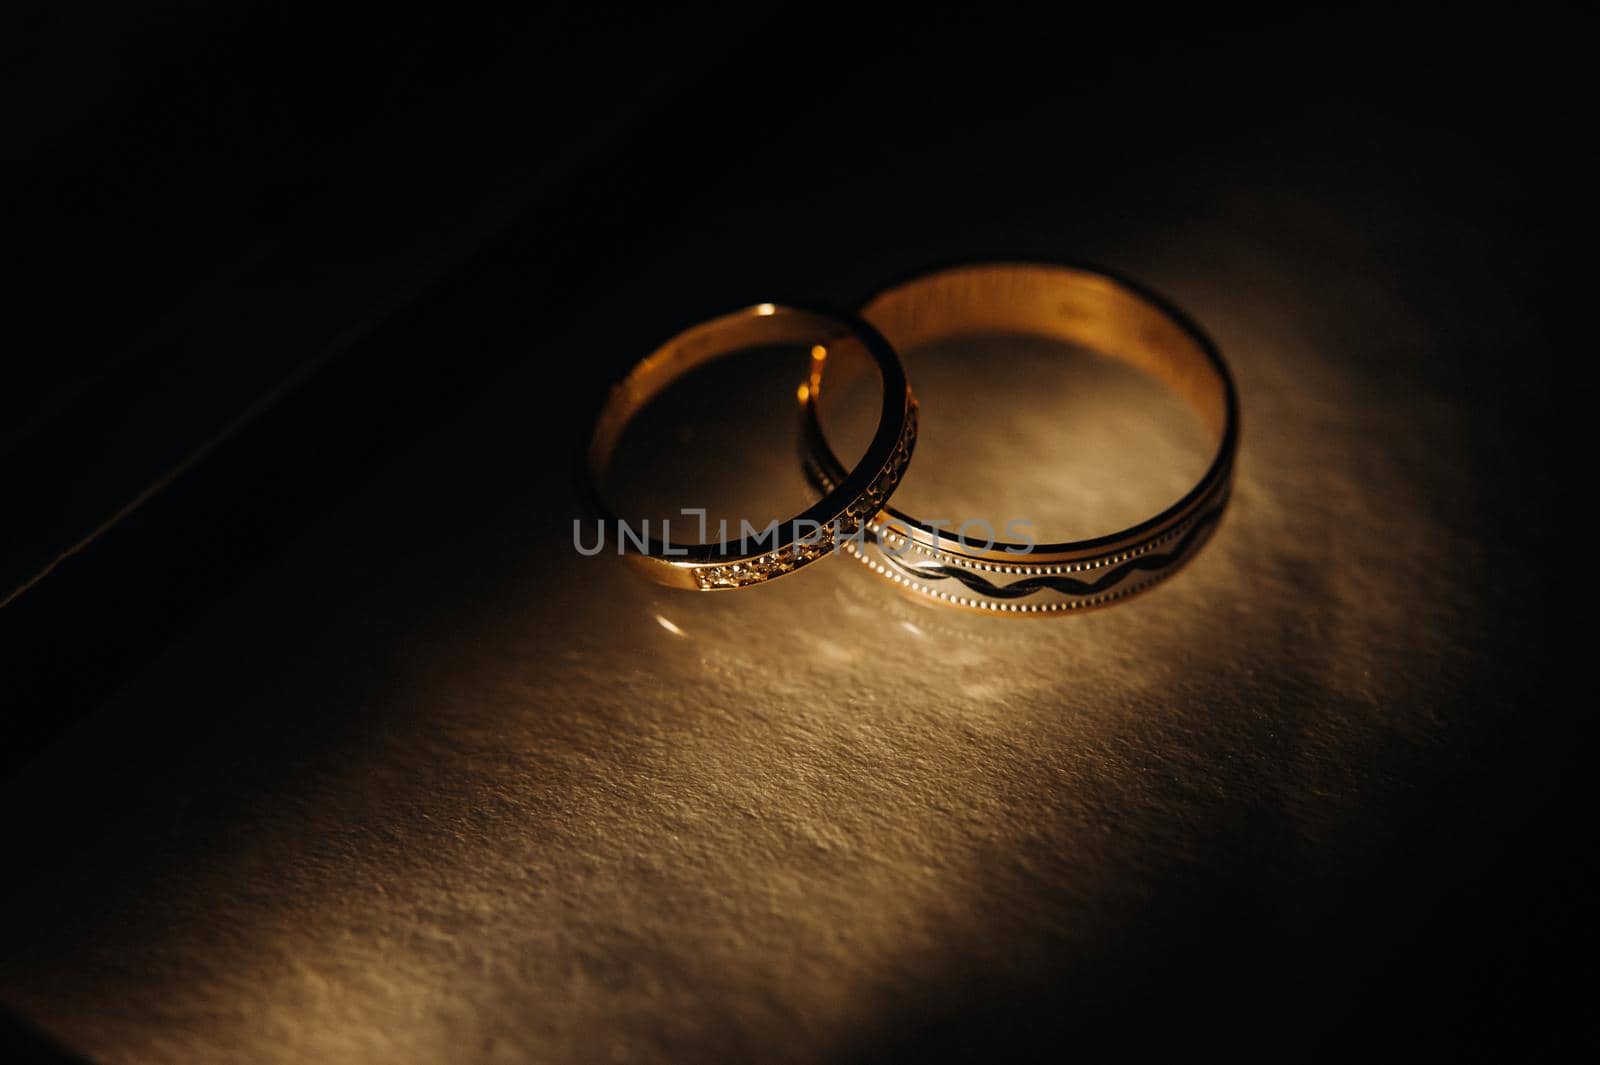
22 1044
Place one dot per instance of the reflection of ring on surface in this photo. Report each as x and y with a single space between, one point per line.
1108 316
854 495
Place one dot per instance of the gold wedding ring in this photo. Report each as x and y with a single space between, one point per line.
1109 316
854 495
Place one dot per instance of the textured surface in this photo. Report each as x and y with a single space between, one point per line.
516 812
432 789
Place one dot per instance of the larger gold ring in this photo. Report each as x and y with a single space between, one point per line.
853 497
1106 315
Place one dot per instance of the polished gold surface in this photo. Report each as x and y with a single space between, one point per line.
1107 316
855 495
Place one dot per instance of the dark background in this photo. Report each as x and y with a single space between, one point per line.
263 254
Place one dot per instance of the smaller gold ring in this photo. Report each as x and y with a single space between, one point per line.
845 506
1112 317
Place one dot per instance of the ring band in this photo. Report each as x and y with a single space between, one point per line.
1109 316
855 494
